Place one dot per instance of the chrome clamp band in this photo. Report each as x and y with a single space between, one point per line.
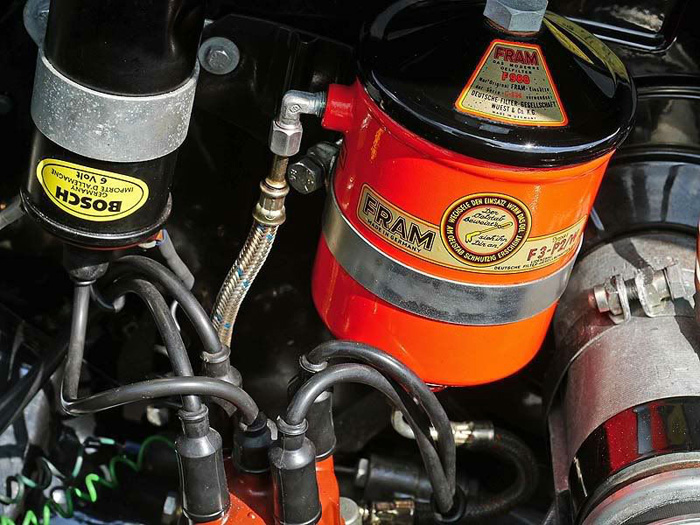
107 127
433 297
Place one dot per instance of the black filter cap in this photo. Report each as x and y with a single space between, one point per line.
566 98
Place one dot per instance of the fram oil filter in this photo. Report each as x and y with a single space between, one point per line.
472 155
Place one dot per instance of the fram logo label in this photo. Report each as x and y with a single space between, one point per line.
517 56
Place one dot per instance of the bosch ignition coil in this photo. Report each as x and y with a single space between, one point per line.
113 95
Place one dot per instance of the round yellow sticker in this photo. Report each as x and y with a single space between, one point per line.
485 229
91 194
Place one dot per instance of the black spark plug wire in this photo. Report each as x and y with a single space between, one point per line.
443 488
137 264
407 379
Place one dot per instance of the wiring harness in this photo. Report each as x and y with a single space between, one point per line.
76 486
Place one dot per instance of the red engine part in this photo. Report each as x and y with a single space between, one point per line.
456 209
251 497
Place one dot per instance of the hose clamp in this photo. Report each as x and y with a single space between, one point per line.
430 296
111 128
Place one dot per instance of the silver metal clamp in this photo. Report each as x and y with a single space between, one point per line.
108 127
430 296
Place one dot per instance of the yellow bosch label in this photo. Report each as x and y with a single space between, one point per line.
482 233
512 84
90 194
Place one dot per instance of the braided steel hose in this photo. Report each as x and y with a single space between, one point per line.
269 215
285 140
242 274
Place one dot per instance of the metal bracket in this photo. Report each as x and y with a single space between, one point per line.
108 127
655 290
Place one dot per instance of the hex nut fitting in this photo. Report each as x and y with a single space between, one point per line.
313 170
676 282
286 131
270 210
516 16
285 141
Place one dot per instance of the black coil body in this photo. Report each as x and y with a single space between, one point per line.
131 48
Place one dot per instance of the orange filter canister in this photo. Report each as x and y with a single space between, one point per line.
470 163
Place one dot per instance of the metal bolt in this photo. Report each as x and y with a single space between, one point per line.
306 175
350 512
36 18
219 56
517 16
310 172
653 289
171 509
157 416
602 297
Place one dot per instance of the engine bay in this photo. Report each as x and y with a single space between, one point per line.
415 261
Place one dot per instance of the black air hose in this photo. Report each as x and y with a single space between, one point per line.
510 448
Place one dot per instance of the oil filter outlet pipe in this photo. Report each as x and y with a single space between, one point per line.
113 94
474 145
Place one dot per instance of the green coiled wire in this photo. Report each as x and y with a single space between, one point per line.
17 485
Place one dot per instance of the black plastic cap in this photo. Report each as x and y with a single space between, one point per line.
201 463
417 58
295 487
251 446
321 430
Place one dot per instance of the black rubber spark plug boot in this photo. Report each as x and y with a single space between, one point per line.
321 430
293 468
201 461
251 447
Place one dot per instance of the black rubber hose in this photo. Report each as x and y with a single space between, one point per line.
408 380
76 344
511 449
161 388
175 262
15 400
355 373
551 516
177 289
11 213
177 352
